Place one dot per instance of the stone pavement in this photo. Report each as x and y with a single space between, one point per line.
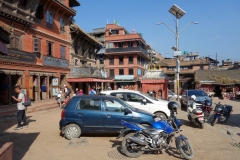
42 140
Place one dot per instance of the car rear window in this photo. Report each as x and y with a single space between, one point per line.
72 104
197 93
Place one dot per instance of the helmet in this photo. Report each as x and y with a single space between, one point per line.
193 97
172 106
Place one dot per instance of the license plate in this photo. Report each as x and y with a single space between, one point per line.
200 119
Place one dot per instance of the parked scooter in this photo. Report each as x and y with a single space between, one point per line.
222 113
195 113
206 108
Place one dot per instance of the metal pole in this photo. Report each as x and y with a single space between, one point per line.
177 74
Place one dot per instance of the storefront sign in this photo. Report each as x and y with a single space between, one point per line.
55 82
51 61
80 71
54 91
16 55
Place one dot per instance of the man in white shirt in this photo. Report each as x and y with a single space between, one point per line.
21 114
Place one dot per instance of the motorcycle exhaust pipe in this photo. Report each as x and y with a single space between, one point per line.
137 141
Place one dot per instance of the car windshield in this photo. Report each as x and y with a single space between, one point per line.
146 95
197 93
127 105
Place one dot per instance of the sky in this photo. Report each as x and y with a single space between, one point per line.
218 31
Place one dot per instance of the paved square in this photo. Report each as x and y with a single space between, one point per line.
42 140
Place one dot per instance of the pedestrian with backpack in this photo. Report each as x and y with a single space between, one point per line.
67 91
21 113
92 92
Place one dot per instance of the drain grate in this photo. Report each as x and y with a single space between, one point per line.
78 142
116 154
235 145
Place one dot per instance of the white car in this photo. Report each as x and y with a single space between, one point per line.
142 101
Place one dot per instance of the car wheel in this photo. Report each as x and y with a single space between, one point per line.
72 131
162 115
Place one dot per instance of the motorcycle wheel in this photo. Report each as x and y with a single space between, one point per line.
214 121
127 147
226 119
185 148
202 125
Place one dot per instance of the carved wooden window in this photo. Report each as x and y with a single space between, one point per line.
121 71
49 48
63 52
130 72
23 3
49 17
62 24
37 46
16 42
111 73
111 60
39 12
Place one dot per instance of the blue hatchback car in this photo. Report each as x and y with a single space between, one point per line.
99 113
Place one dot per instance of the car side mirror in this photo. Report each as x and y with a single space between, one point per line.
128 111
144 101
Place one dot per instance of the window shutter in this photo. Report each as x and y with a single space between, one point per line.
39 45
51 49
47 48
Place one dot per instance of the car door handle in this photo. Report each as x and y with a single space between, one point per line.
80 114
109 115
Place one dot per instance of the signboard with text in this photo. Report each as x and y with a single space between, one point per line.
57 62
19 56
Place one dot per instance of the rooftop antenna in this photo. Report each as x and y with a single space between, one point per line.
107 21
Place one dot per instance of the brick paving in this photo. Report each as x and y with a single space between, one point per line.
42 140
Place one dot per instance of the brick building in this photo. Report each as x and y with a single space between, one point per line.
87 70
187 71
126 56
39 47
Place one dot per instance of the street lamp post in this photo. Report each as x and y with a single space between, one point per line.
178 13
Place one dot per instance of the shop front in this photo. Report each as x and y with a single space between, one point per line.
86 83
37 81
126 82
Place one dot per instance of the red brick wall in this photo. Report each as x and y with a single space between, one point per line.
148 87
125 66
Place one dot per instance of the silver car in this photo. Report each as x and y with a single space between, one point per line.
200 96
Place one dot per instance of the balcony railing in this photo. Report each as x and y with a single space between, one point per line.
128 49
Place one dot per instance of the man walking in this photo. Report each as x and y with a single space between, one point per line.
67 91
21 114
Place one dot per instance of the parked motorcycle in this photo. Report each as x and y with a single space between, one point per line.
195 113
222 113
157 137
206 108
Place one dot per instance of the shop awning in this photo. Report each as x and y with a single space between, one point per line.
154 81
3 48
88 80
